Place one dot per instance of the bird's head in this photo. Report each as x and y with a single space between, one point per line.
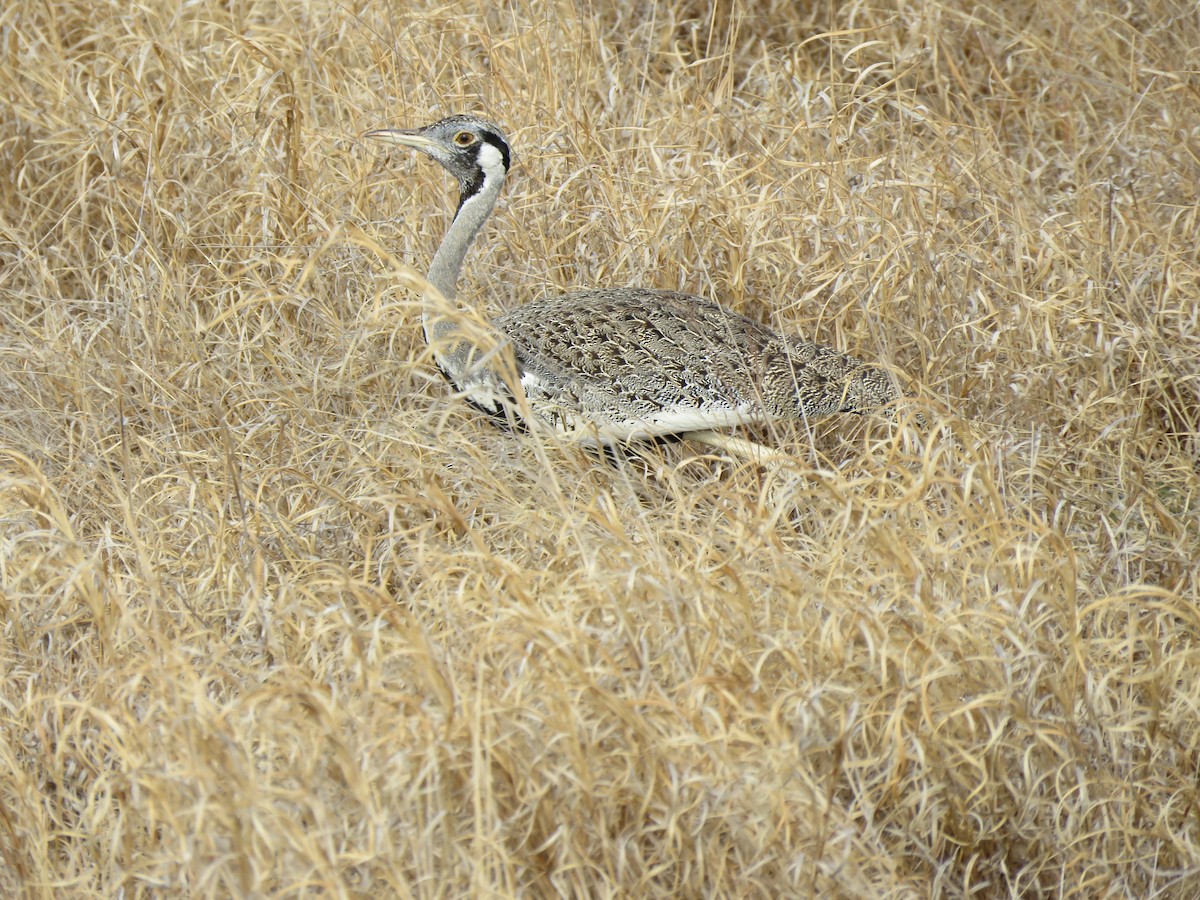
470 148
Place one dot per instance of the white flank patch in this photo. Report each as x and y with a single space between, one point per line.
611 429
677 421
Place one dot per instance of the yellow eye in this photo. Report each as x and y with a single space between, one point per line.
464 139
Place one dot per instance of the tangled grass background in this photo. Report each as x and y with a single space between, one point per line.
283 617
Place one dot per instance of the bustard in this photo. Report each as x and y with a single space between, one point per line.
613 365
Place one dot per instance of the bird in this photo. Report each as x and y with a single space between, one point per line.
610 366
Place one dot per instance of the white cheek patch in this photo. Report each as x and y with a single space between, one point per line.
490 161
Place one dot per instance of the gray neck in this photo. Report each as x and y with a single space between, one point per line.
448 261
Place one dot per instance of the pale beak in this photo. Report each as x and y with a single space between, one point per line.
403 137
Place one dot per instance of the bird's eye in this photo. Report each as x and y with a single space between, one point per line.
464 139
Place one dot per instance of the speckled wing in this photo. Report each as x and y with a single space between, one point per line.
637 363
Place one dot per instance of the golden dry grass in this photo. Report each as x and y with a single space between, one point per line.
280 617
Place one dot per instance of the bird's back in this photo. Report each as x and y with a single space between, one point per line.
637 363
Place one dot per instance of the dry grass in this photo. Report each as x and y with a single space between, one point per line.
281 617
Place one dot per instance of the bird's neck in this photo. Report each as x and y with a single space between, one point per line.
473 210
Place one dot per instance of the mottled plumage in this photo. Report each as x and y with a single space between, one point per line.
620 364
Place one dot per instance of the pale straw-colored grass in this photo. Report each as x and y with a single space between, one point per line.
282 617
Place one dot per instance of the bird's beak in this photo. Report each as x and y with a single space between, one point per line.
403 137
